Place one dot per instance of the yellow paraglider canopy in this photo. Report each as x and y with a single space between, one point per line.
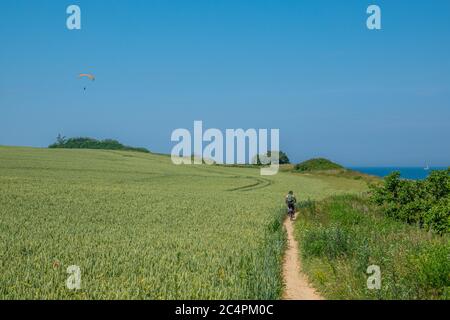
88 75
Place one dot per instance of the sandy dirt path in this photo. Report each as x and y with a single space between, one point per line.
297 286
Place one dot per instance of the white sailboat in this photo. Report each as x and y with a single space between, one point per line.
426 168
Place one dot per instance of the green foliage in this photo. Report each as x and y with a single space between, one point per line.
265 159
60 140
325 242
317 165
432 269
344 235
437 217
90 143
425 203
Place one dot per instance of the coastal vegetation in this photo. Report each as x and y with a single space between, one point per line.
425 203
265 159
342 236
91 143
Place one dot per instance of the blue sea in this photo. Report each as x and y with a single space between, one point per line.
413 173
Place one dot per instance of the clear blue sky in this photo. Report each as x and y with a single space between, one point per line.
310 68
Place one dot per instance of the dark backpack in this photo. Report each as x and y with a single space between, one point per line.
290 199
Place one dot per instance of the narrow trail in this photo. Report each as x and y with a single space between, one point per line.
296 282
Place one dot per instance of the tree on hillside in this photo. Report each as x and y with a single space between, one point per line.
60 140
265 159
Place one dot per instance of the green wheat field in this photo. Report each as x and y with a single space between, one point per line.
140 227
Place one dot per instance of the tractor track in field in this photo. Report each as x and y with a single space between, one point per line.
297 286
259 183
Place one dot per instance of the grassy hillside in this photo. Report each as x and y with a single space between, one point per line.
140 227
321 167
319 164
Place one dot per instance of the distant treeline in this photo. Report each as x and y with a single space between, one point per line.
425 203
90 143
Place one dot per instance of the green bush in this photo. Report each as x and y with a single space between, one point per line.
424 203
261 159
438 217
